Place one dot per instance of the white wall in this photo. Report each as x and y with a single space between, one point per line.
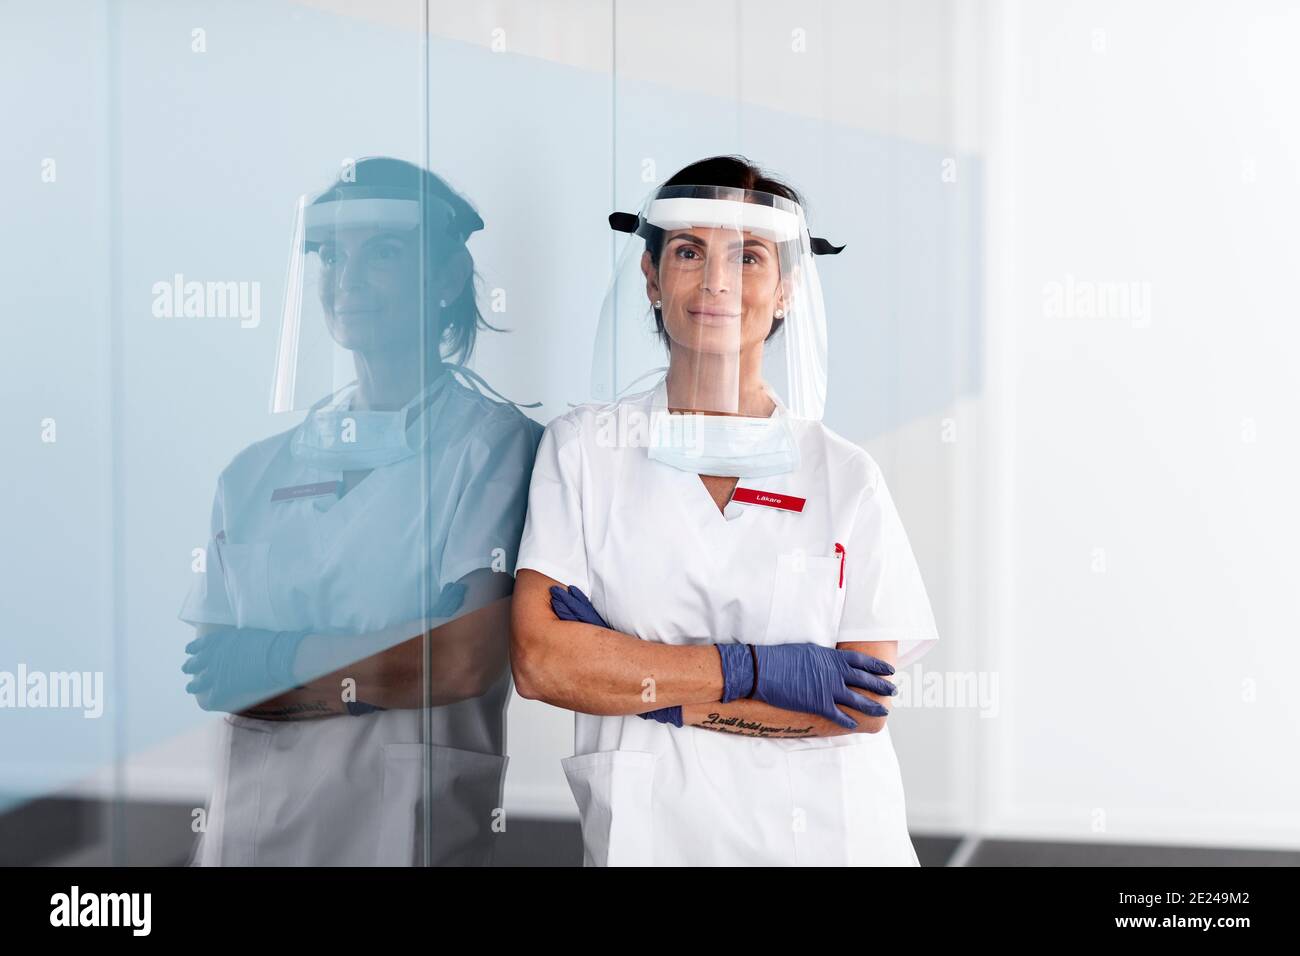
1140 467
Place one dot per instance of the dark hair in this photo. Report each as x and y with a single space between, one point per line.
377 175
734 171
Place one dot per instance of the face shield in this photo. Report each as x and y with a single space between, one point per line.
715 327
716 300
358 268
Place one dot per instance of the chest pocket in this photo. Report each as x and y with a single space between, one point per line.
807 600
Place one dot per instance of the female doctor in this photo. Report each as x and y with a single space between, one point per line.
750 583
352 621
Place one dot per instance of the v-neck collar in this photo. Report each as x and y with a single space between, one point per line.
343 398
729 513
692 495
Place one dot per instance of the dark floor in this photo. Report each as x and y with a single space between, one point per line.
61 831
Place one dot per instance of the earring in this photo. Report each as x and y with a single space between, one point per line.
780 313
658 304
442 303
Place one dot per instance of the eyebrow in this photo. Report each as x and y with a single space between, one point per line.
691 237
371 241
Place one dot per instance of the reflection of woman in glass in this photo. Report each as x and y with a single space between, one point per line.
352 621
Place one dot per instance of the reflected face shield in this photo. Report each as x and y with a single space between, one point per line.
367 280
358 268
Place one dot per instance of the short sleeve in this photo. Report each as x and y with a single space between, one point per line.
207 602
886 599
489 517
553 542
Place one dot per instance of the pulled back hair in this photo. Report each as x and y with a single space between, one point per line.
460 321
733 171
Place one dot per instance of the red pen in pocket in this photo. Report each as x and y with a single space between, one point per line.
839 549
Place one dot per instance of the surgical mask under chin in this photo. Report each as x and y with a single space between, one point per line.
726 445
339 438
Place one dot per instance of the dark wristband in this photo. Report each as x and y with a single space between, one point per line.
281 651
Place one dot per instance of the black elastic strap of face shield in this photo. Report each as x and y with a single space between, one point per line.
623 221
630 223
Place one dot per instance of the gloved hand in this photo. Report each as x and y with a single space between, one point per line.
805 677
235 668
573 605
449 600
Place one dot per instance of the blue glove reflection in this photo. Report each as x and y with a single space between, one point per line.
234 668
449 600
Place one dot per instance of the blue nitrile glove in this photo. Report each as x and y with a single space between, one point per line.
449 600
805 677
572 605
234 668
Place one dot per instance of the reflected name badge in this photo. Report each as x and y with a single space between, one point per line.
318 490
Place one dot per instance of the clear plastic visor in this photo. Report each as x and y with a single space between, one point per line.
354 284
715 298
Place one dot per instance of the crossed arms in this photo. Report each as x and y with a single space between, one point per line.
596 670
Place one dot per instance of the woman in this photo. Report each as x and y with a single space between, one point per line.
748 574
352 620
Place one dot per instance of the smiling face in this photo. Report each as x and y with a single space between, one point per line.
369 285
719 288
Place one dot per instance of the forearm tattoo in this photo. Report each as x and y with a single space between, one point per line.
750 728
306 710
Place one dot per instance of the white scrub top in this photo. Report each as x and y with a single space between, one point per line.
344 790
658 559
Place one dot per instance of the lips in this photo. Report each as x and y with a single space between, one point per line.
712 316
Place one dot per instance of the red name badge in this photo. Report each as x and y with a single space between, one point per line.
768 499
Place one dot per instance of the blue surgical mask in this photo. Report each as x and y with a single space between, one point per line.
338 438
725 444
